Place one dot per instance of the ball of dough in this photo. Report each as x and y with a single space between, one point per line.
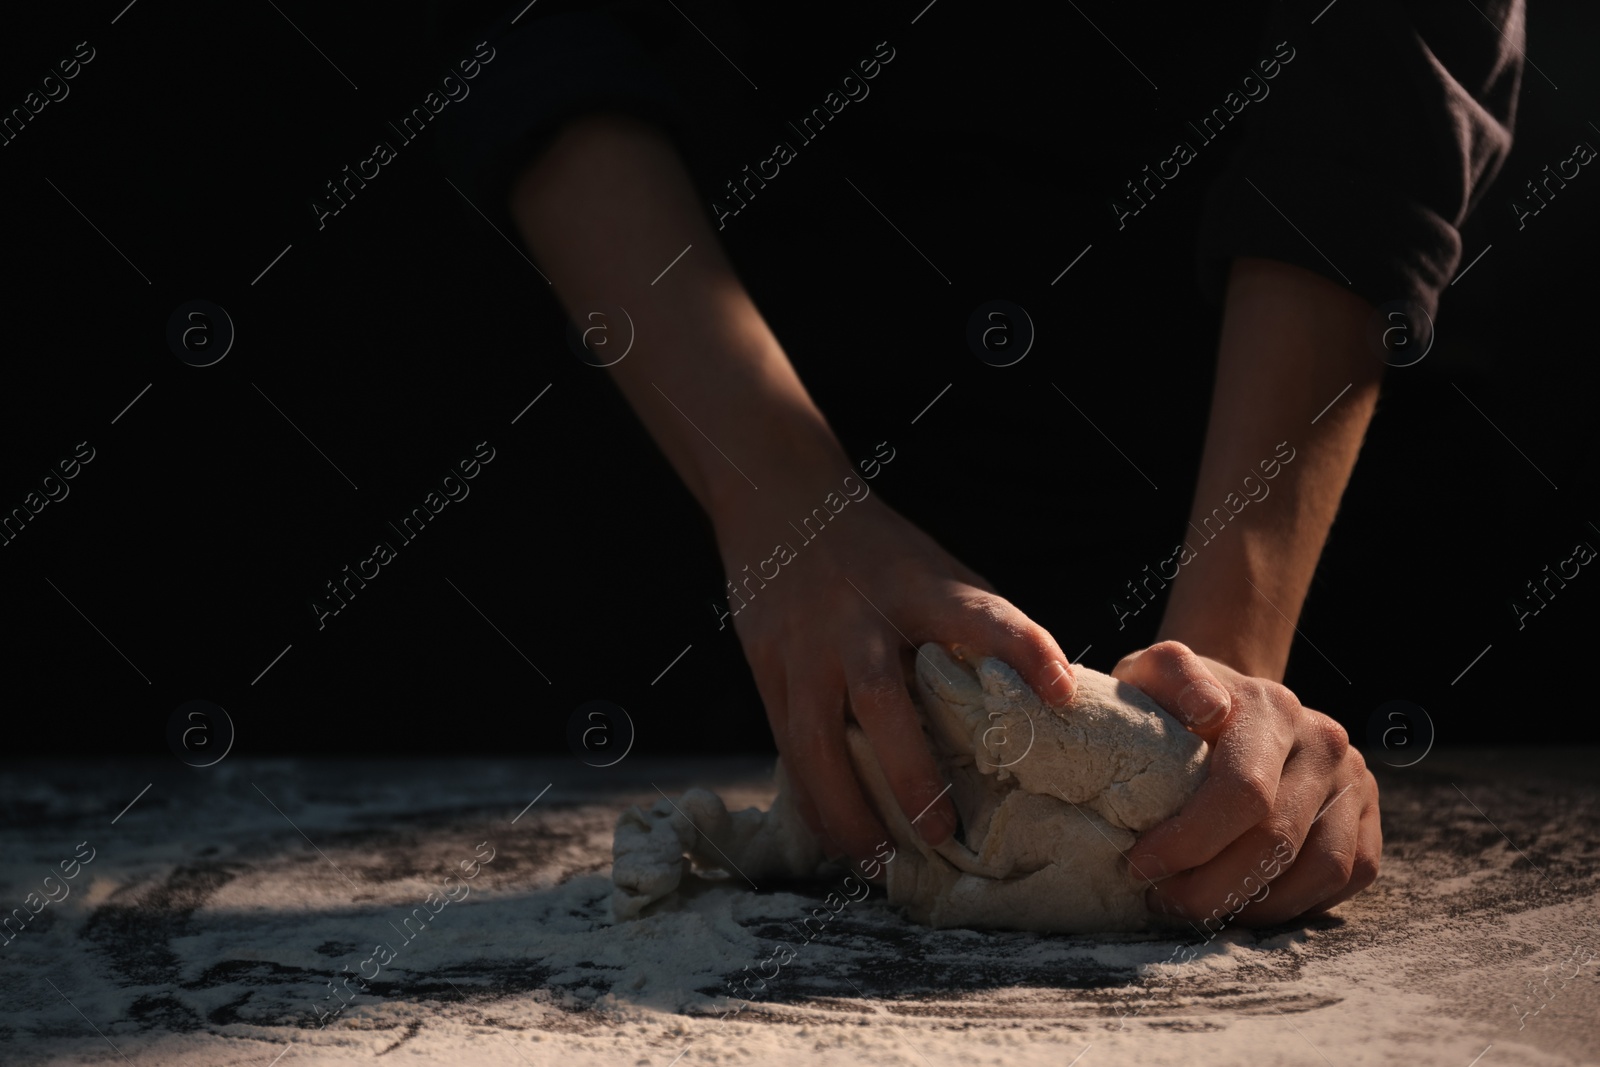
1049 799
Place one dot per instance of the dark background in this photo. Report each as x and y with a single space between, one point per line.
407 331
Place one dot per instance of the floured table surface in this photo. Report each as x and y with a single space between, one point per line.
218 907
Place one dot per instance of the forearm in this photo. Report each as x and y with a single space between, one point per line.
605 210
1291 341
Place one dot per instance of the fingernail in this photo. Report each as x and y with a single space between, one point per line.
1159 902
935 826
1062 684
1202 703
1146 868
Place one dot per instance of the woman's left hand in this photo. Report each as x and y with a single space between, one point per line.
1287 807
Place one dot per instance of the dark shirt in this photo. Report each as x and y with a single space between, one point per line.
558 60
1360 161
1384 140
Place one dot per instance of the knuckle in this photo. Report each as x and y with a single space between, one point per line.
1253 795
1355 765
1254 688
1332 866
1280 696
991 606
1028 646
1267 698
1333 738
1168 654
1016 638
1364 871
1281 831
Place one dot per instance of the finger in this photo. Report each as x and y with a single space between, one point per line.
772 683
1323 869
1219 890
1172 675
1241 785
822 762
882 706
1369 852
991 625
813 819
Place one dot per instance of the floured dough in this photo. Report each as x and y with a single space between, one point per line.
1048 799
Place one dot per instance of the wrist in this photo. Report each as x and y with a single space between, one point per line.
1257 659
1226 609
799 466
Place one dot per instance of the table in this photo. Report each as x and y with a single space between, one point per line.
219 907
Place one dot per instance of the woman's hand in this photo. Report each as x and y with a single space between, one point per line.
604 208
830 634
1286 800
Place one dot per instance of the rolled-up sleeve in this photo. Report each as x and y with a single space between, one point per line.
548 67
1373 146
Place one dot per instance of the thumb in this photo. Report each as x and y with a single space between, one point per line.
1175 677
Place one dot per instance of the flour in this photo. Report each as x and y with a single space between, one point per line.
211 925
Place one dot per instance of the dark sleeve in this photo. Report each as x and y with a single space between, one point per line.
1373 144
550 63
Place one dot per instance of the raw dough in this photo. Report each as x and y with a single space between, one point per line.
1048 799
